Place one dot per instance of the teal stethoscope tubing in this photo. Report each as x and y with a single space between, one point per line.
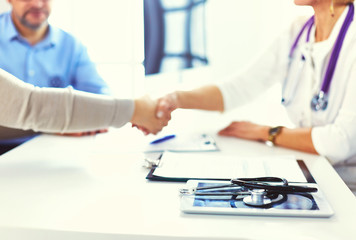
320 101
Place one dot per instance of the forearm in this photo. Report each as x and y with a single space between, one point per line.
297 139
204 98
93 111
65 110
58 110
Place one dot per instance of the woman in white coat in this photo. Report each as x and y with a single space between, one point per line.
24 106
319 92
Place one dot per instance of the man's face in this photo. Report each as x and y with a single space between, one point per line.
31 13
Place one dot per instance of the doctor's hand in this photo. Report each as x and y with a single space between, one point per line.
246 130
144 117
166 105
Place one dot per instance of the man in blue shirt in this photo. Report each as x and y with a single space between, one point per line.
44 55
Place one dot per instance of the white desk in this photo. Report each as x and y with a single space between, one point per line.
94 188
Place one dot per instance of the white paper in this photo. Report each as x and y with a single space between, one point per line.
185 143
211 166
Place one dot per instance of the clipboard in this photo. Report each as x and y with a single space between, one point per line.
154 175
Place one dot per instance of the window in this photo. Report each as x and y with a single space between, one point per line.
175 35
113 32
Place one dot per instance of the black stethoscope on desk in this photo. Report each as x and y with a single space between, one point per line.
262 192
319 100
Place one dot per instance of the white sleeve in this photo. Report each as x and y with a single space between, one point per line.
25 107
337 141
268 69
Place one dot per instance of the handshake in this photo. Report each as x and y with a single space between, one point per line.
150 116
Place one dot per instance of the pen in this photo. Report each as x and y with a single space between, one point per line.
162 139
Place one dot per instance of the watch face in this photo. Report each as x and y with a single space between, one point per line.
274 131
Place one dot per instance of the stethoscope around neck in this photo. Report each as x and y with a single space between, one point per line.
320 100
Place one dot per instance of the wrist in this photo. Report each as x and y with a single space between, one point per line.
177 97
134 116
140 107
264 133
273 133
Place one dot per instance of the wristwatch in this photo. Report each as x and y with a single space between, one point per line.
272 134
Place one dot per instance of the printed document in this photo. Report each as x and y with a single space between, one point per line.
217 166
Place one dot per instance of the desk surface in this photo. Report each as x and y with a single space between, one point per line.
95 188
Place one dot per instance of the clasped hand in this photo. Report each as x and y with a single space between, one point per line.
158 114
145 116
152 116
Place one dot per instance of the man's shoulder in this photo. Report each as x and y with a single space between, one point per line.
61 33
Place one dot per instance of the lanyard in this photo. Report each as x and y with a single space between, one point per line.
319 101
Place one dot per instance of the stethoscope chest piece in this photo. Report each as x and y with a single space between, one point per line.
257 198
319 102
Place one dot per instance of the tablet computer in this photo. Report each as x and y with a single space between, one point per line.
292 205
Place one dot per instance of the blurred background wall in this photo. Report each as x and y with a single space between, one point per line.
227 34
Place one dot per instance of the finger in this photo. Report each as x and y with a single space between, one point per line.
144 130
162 103
224 129
74 134
167 104
163 122
157 131
222 132
228 128
162 108
167 116
159 114
102 131
226 133
154 132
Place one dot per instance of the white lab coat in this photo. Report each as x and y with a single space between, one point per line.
334 130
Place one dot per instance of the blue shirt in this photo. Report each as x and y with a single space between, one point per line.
59 60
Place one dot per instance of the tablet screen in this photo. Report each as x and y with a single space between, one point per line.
301 201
